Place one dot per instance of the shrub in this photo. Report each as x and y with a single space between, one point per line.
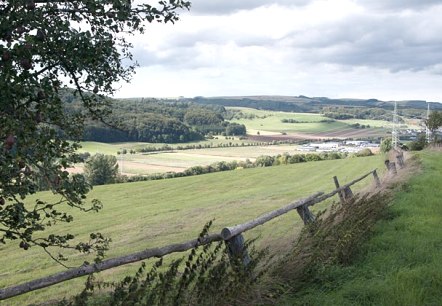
364 152
419 144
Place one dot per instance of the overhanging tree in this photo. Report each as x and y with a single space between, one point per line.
46 45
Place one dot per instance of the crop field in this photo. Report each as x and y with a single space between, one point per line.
156 213
180 160
112 148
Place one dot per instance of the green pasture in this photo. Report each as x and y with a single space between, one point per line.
271 121
156 213
401 264
94 147
309 117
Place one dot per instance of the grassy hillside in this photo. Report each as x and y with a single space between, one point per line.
402 263
149 214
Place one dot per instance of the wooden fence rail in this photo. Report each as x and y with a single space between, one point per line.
232 236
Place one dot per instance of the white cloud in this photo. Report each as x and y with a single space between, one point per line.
320 48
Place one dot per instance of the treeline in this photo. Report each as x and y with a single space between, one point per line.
344 113
299 121
238 114
303 104
154 120
360 126
167 147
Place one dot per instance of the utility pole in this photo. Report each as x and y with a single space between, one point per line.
394 133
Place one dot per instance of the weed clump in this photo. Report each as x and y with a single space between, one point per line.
208 275
334 239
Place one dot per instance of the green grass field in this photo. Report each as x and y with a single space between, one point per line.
402 263
269 122
151 214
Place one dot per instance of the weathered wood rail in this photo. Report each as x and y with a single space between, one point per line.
231 235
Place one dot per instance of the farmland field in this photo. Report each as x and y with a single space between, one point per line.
176 161
270 123
112 148
264 126
151 214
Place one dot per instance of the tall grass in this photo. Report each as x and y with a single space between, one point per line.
401 264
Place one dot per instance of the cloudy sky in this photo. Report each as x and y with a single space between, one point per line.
385 49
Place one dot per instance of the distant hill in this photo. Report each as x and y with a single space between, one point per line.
312 104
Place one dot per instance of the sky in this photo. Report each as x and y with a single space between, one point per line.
384 49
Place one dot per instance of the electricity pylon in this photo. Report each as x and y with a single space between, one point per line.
394 133
427 130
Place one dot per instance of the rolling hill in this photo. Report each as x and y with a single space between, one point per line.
150 214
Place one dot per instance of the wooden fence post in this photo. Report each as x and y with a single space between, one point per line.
376 179
392 168
400 160
340 194
237 249
345 194
348 194
306 215
387 164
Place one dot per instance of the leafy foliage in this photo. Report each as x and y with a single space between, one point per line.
419 144
153 120
386 145
434 122
45 46
101 169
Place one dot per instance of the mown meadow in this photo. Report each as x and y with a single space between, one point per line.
271 123
156 213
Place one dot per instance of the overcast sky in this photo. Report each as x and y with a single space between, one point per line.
385 49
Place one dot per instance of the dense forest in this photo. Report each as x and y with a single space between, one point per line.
154 120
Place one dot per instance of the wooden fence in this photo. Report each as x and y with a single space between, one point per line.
231 235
